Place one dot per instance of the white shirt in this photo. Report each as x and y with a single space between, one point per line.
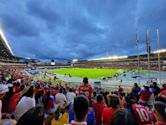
78 123
70 96
40 102
59 98
23 106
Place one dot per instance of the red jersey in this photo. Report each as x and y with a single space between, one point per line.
17 88
107 115
36 91
163 92
13 102
50 103
120 89
54 91
145 96
141 115
158 123
86 89
98 108
163 89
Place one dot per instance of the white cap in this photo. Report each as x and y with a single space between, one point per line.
9 85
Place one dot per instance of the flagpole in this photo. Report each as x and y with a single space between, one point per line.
148 54
148 66
159 65
138 65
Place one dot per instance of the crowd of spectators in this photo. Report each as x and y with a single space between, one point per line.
25 101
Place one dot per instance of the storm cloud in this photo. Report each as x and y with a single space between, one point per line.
82 29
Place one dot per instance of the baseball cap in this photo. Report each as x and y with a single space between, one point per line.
9 85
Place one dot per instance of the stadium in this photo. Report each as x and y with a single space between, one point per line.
54 68
118 67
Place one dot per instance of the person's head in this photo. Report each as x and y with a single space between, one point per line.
164 85
85 80
80 107
40 93
160 109
135 85
99 98
30 92
61 90
34 116
155 83
146 87
3 90
48 94
94 94
22 87
114 101
11 89
128 100
37 86
70 90
123 117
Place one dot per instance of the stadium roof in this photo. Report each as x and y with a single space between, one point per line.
5 50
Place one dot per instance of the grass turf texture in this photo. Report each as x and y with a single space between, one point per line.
87 72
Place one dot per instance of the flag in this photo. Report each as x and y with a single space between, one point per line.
148 48
136 40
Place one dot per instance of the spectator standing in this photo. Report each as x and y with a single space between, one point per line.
34 116
70 95
91 117
145 96
120 89
135 91
123 117
3 90
160 110
27 102
86 88
128 101
80 108
11 98
141 114
60 97
156 88
98 107
107 114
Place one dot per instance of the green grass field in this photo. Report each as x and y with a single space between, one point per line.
87 72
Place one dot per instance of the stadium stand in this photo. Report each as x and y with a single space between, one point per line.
27 101
5 50
130 62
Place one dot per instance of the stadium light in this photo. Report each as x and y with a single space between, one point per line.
6 42
110 57
27 58
159 51
74 60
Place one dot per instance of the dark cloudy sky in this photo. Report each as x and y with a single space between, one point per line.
82 29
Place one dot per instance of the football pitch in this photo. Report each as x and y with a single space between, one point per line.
88 72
